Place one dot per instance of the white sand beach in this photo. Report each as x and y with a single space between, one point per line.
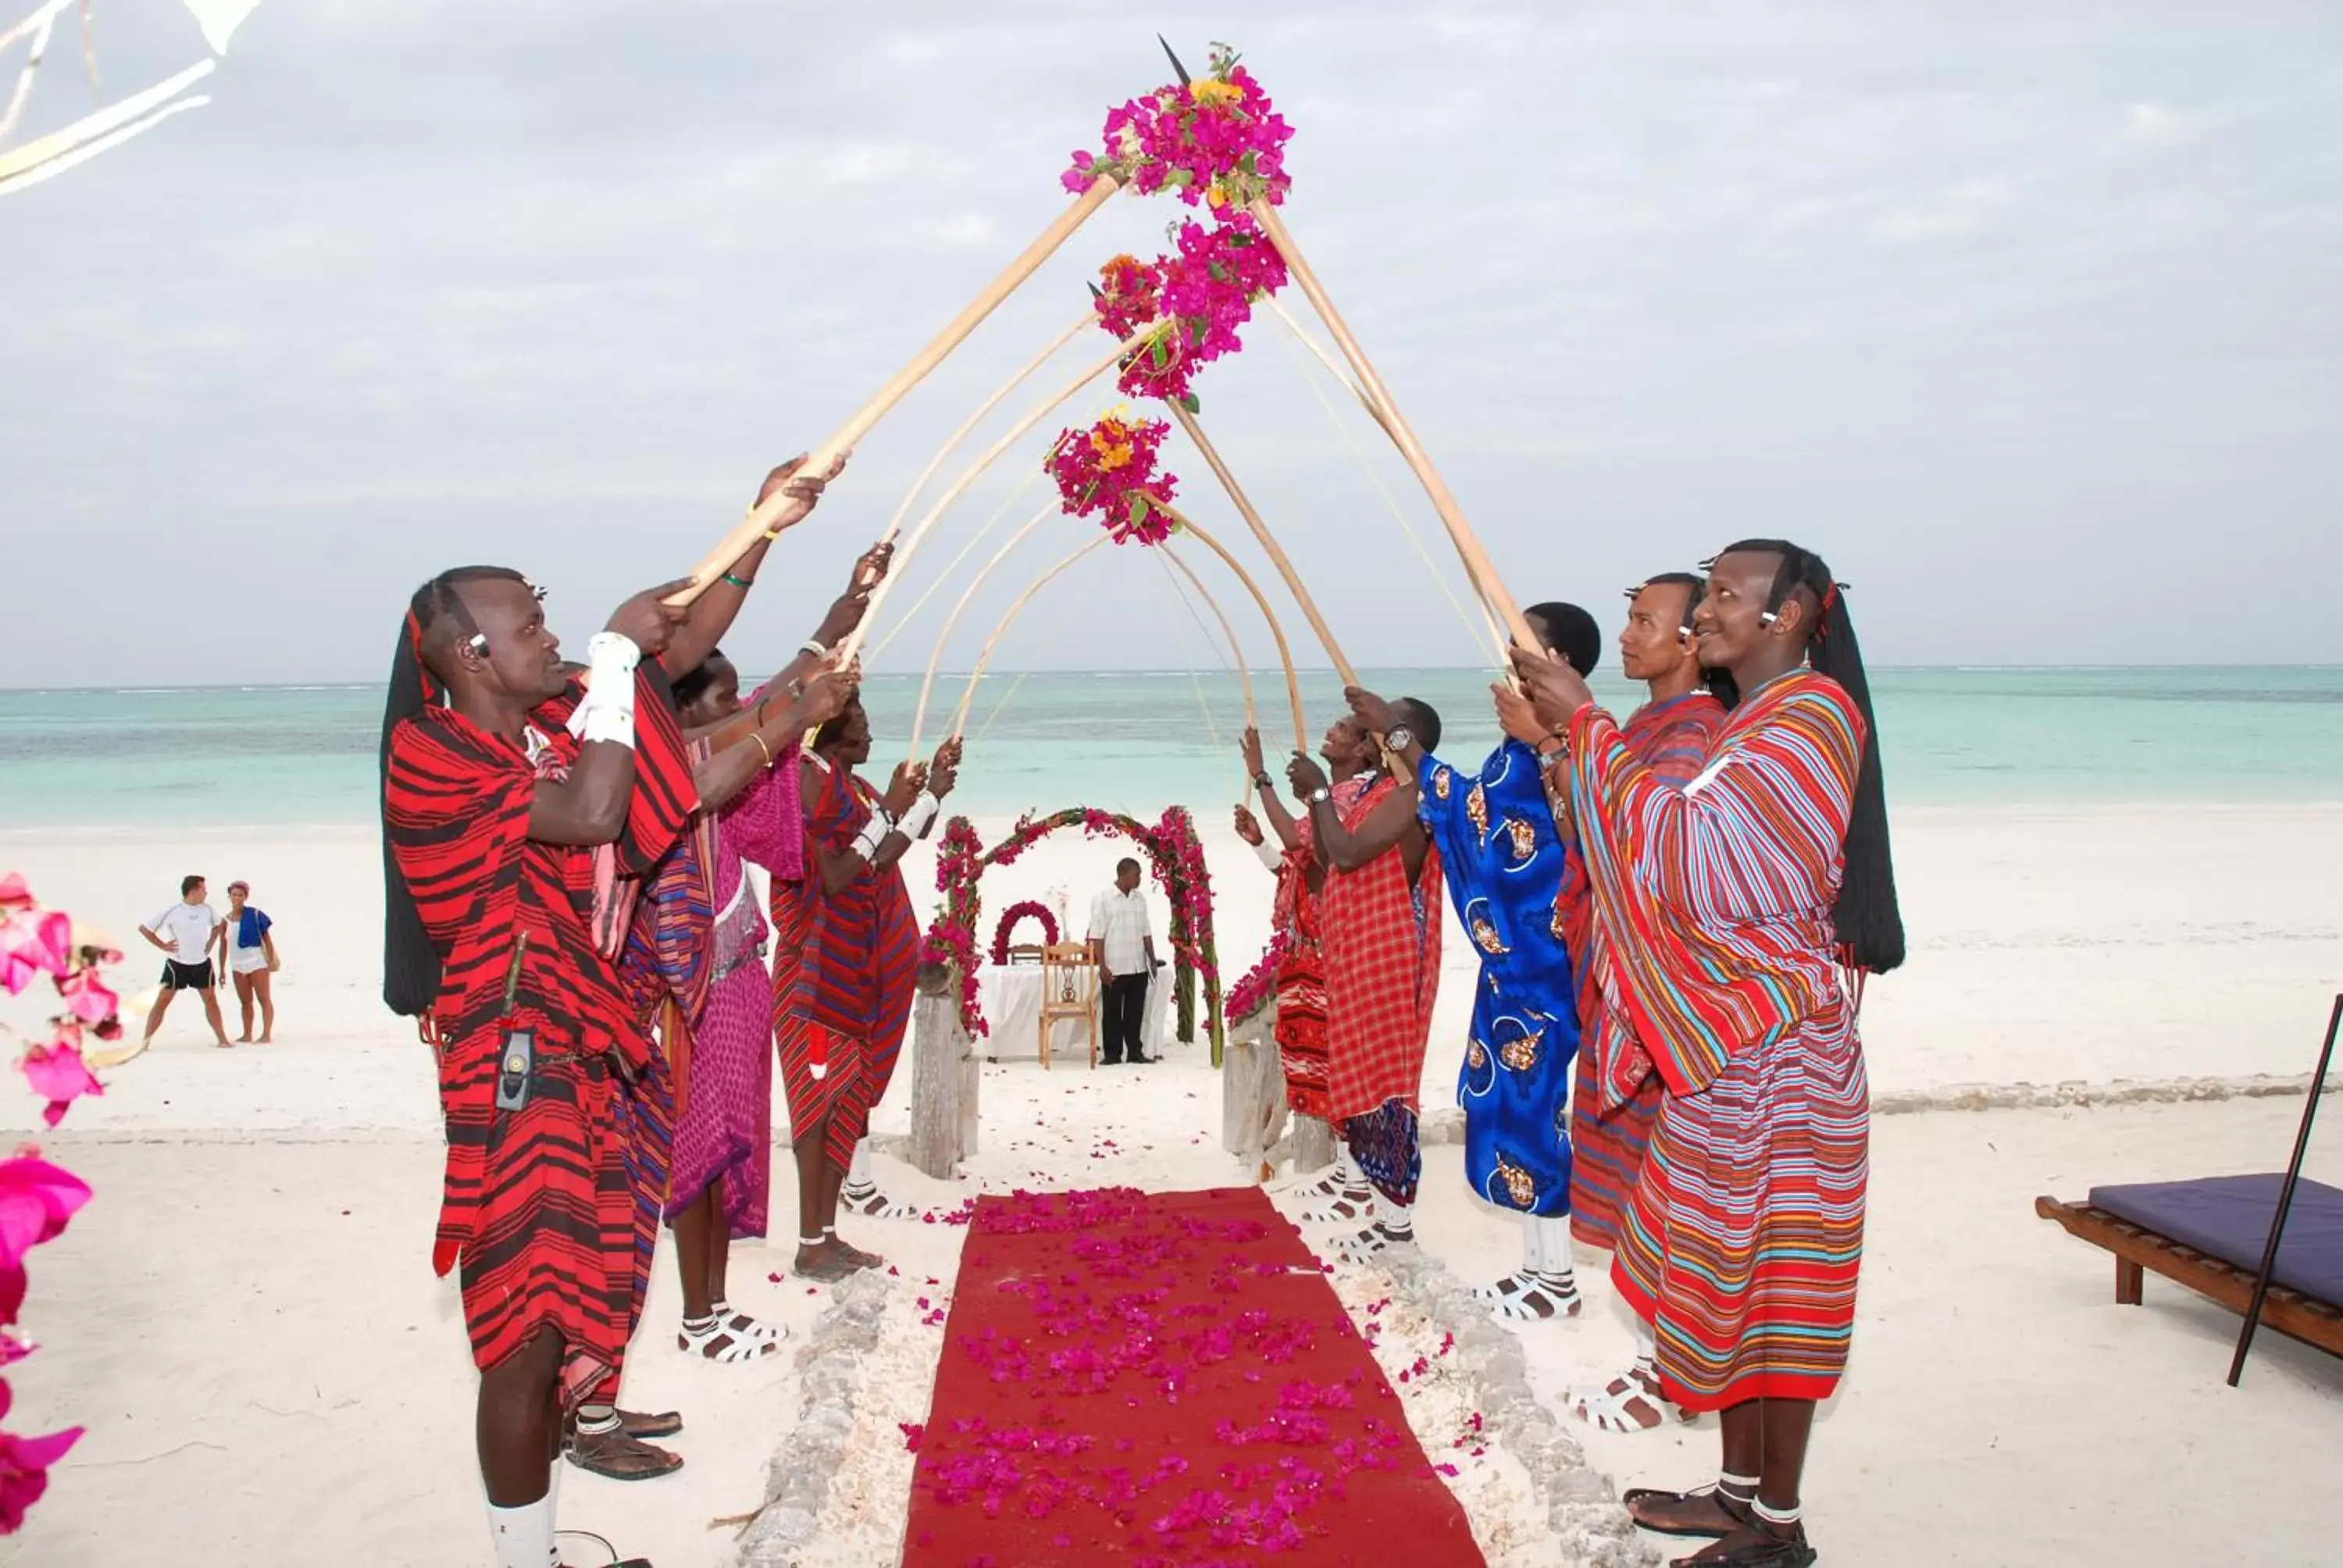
245 1319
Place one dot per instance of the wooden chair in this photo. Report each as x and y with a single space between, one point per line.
1070 989
1025 953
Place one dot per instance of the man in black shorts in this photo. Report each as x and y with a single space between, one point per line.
185 933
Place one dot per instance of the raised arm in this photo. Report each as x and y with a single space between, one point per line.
589 806
722 775
1272 809
711 614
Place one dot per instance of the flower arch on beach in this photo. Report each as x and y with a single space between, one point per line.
1175 855
1030 910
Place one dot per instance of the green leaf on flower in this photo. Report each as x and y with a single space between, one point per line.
1188 400
1158 352
1139 507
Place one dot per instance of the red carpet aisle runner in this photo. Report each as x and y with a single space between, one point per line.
1158 1379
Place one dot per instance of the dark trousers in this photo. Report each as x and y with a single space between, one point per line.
1122 1008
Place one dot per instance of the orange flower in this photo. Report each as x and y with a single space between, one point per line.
1212 91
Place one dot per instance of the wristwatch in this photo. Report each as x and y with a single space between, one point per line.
1320 795
1400 737
1264 783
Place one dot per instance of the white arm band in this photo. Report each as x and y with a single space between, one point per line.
874 833
1268 856
919 817
608 711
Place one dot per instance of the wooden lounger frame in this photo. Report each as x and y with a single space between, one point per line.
2138 1250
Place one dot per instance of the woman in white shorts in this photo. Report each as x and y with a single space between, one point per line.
251 954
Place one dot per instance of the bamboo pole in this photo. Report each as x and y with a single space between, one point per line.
975 471
984 656
720 559
895 523
1311 344
1228 634
1284 653
936 654
1477 564
1277 556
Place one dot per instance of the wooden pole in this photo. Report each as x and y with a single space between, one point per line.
936 654
1277 556
1284 653
1373 412
2286 1197
735 543
1477 564
895 523
975 471
984 656
1228 634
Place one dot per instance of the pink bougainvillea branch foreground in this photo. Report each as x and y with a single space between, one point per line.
37 1198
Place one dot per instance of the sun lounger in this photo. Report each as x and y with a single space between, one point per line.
2210 1235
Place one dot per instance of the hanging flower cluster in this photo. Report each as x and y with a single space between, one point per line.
1203 292
1030 910
36 1198
1109 472
1175 852
1218 141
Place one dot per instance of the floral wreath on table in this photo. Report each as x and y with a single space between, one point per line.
1173 852
36 1198
1031 908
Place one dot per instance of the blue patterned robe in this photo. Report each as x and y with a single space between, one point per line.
1496 836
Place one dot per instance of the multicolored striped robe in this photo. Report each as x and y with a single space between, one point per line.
537 1208
1743 1242
843 969
1505 863
1671 739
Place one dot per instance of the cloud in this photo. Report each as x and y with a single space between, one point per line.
1982 304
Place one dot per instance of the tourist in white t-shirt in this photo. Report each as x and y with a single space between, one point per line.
249 953
185 933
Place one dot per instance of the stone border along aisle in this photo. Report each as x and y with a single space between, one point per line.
797 1481
1589 1524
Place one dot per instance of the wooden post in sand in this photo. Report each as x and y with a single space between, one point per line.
943 1084
1253 1091
720 561
1477 564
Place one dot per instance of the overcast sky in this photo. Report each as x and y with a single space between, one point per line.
2029 317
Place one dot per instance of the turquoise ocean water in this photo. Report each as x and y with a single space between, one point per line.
240 756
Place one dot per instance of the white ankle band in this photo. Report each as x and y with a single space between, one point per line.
1737 1482
1775 1515
523 1536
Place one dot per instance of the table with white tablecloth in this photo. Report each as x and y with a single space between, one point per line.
1012 997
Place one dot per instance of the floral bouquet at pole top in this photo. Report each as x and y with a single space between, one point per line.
1219 144
1109 472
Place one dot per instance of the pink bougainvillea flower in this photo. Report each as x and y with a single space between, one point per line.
57 1075
88 998
34 942
24 1464
36 1200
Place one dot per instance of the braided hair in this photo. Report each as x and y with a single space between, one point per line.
1869 924
410 963
1720 682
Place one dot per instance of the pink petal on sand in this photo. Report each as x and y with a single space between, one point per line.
14 893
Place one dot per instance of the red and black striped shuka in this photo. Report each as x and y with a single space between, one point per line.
538 1209
843 967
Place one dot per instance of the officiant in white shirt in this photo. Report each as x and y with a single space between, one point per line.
1123 945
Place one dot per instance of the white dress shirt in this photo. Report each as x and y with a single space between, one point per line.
1118 925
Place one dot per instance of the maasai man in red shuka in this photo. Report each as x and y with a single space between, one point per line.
693 961
1301 978
1380 935
1670 735
512 798
1736 908
848 947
